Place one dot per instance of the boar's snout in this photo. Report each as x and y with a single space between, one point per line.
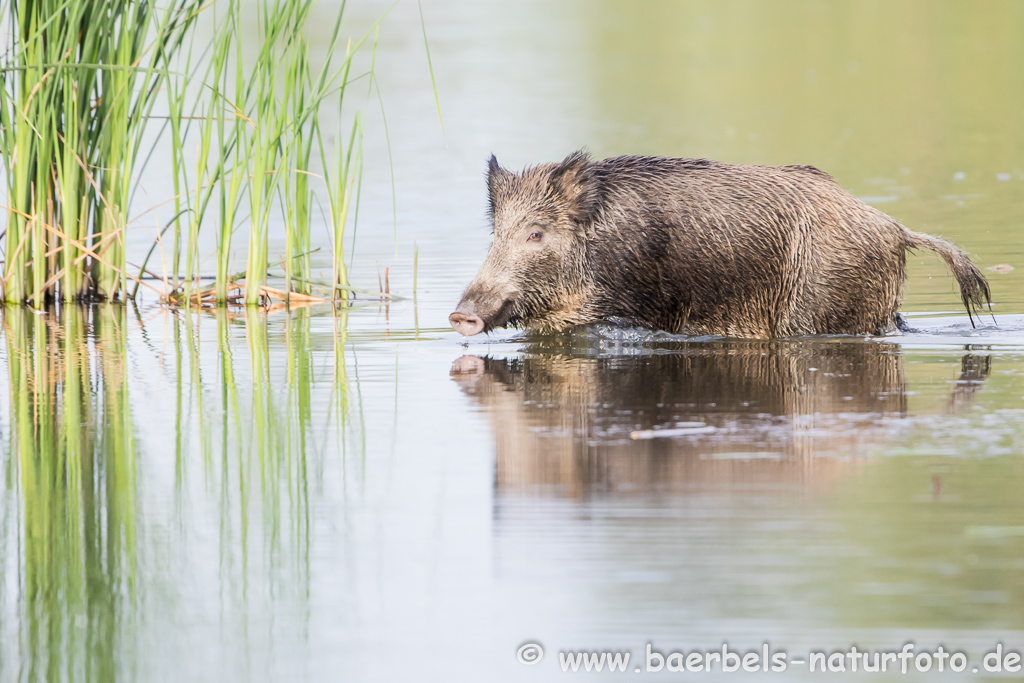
466 323
481 311
465 320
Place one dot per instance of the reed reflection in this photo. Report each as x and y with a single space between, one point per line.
104 511
70 513
694 413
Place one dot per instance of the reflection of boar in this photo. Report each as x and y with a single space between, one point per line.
769 410
695 247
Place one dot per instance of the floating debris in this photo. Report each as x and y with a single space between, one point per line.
692 428
1001 268
745 456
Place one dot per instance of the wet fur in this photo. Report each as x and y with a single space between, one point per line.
694 246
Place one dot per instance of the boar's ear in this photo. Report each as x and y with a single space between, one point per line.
496 177
574 185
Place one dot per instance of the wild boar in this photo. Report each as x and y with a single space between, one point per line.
693 246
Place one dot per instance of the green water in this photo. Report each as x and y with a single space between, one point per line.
361 495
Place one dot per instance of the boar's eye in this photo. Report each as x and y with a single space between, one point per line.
535 236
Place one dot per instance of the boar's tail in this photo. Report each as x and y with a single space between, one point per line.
973 286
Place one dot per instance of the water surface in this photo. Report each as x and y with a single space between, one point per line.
363 495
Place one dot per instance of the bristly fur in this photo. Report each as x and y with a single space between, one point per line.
695 246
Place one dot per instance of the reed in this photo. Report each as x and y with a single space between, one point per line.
267 131
76 92
78 89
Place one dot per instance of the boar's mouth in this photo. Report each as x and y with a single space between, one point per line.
503 317
469 320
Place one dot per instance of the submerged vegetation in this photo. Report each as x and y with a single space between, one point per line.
79 89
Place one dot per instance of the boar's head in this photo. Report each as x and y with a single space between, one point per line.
535 273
